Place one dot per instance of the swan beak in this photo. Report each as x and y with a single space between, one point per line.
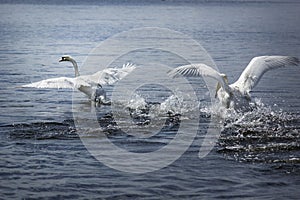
63 59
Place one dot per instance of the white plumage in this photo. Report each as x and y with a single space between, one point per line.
88 84
237 95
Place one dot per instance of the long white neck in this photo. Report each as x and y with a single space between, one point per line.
75 67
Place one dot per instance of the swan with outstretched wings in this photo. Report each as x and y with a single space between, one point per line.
237 95
91 85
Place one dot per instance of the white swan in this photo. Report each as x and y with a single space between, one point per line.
236 95
91 85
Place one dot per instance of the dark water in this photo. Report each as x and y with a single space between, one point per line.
257 155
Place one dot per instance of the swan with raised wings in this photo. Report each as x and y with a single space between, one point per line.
91 85
236 95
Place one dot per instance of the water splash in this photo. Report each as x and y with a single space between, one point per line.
136 113
173 105
261 135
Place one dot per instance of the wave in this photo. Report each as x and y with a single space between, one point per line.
41 130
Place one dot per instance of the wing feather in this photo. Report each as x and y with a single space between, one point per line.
109 76
260 65
195 70
61 82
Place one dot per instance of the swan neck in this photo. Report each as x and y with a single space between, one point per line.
225 78
75 67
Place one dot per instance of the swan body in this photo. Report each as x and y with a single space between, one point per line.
237 95
91 85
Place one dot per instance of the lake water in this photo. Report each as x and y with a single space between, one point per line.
257 155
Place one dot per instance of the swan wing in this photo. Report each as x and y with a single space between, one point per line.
109 76
194 70
260 65
61 82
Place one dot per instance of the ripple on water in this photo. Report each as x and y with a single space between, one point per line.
42 130
260 135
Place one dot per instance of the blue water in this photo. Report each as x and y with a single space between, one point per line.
257 155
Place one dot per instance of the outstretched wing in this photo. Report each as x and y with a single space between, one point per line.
109 76
61 82
260 65
194 70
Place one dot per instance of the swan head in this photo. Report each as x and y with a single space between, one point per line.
66 58
70 59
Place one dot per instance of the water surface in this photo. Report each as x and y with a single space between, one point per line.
257 155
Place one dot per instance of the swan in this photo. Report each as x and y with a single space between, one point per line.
90 85
236 95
